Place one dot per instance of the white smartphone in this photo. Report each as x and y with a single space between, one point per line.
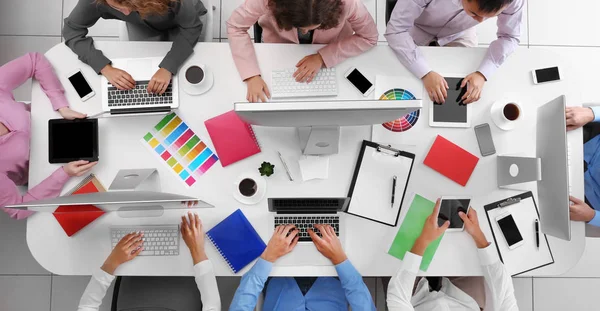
545 75
449 208
360 82
510 231
81 85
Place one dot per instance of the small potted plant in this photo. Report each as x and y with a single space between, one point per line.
266 169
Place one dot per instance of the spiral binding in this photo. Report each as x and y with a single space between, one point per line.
253 135
220 252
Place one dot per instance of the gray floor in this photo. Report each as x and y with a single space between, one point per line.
34 25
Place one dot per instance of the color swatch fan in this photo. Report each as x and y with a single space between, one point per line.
176 144
406 122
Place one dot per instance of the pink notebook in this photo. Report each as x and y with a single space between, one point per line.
234 139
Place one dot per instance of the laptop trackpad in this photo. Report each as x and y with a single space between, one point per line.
141 68
304 254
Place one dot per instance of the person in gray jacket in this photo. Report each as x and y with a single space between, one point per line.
173 20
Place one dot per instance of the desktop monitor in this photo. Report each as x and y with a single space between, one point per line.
553 187
319 122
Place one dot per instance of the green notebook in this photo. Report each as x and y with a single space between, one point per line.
410 230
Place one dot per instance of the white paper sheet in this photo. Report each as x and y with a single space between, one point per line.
314 167
526 256
372 193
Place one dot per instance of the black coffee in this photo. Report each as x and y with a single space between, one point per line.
511 112
248 187
194 75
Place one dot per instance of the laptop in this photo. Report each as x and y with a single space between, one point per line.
304 212
138 100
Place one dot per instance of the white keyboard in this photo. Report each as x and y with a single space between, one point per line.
284 85
159 240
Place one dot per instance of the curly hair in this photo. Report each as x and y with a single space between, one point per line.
144 7
303 13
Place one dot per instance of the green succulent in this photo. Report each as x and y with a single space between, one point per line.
266 169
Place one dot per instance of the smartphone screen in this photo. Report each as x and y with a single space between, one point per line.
80 84
547 74
510 230
484 139
359 81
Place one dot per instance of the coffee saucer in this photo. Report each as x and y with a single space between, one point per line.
196 89
261 185
502 123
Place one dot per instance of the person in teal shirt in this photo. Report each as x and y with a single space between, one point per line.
303 294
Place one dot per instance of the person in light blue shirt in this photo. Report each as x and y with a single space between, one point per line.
320 294
589 118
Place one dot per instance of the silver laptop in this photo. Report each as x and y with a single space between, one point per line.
138 100
304 213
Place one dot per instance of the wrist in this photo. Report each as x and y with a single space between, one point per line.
426 75
591 215
109 267
591 116
266 255
419 247
480 240
198 256
338 259
105 68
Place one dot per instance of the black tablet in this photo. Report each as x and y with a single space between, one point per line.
451 113
72 140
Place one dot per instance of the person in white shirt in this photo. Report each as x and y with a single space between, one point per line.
450 297
132 244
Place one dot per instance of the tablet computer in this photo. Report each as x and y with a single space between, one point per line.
451 113
72 140
449 208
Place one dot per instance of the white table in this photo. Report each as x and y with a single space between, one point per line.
367 241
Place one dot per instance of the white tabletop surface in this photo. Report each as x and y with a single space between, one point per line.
367 242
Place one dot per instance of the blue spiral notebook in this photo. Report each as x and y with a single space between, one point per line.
236 240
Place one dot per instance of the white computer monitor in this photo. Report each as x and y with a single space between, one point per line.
319 122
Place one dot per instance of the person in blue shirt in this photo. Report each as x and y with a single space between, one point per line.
589 119
320 294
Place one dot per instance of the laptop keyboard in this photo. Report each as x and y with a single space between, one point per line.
303 223
138 96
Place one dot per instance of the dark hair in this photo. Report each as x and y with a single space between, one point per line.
145 7
302 13
492 6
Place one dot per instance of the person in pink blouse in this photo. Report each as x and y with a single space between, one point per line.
15 131
344 25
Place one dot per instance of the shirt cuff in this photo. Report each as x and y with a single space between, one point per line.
596 111
346 270
203 267
326 55
99 63
596 220
411 262
487 69
103 277
488 255
262 268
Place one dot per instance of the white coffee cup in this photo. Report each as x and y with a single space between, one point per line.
195 75
506 114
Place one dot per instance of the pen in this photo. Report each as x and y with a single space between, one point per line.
537 234
393 189
287 170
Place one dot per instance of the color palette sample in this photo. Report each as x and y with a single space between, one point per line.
406 122
180 148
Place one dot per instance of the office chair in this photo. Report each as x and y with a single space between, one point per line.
207 25
137 293
389 8
257 33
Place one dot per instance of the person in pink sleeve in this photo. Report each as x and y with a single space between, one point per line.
344 25
15 131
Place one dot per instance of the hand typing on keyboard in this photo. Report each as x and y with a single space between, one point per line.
193 236
117 77
128 248
284 239
308 67
257 90
328 243
160 81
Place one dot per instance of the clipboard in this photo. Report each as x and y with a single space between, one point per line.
371 187
526 257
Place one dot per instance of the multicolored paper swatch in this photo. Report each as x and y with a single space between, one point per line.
180 148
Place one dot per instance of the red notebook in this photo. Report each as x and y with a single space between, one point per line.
75 217
234 139
450 160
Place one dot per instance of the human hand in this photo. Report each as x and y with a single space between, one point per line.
328 244
282 242
159 82
436 86
257 89
474 83
472 226
431 231
128 248
193 236
580 211
118 78
69 114
308 67
78 168
578 117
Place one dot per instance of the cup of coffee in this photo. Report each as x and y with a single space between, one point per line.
194 75
248 187
511 112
